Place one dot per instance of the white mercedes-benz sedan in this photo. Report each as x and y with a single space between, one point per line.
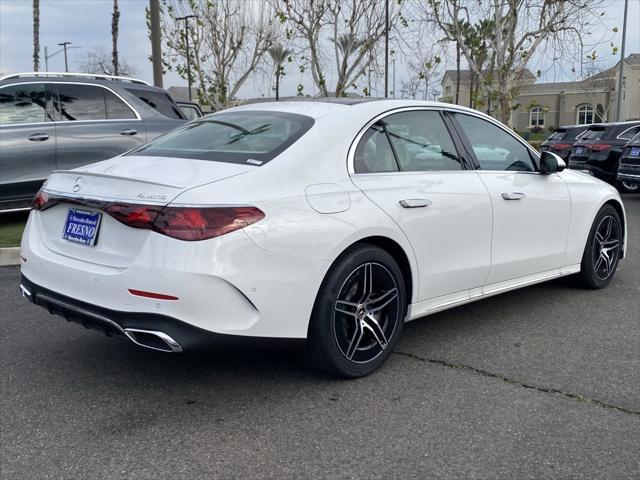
323 223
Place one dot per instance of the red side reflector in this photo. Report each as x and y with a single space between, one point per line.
157 296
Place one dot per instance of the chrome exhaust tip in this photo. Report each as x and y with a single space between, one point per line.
153 339
25 292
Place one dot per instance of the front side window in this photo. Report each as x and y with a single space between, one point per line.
421 141
80 102
494 148
536 117
249 137
26 103
584 115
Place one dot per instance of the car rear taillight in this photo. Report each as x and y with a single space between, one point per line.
560 146
41 199
598 147
185 223
136 216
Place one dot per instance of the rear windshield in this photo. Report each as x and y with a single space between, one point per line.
565 133
234 137
159 100
593 134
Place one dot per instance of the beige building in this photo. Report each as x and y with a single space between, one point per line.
549 105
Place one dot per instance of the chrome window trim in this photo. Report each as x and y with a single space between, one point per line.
452 109
356 141
632 137
66 122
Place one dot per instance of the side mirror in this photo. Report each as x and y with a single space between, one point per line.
551 163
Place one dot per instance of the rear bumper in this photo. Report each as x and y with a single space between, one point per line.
226 285
158 332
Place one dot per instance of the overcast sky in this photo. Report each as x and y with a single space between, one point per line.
87 23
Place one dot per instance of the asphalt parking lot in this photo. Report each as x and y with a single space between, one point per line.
539 383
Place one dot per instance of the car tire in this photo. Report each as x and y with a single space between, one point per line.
602 251
358 313
626 187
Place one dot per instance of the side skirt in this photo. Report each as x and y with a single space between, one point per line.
427 307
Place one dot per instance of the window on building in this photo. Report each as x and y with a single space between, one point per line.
584 114
536 117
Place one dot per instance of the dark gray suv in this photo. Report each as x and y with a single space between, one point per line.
62 121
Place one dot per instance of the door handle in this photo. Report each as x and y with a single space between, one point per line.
38 137
513 196
415 202
129 131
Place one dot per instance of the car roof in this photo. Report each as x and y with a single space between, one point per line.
96 79
319 107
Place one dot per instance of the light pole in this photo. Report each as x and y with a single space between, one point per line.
186 35
386 48
621 73
64 47
47 56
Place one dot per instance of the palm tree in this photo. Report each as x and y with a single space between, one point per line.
279 54
348 44
36 35
115 19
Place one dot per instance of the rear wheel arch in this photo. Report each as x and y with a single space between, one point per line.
619 208
396 251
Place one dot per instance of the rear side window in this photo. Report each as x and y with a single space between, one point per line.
253 138
421 142
80 102
158 100
374 153
629 134
494 148
25 103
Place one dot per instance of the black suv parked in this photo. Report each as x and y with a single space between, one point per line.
562 139
62 121
629 168
598 150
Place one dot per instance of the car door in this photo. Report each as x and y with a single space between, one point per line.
94 124
531 211
27 140
407 164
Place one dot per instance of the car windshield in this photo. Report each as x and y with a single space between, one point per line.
252 137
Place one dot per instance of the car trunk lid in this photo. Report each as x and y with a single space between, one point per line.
122 181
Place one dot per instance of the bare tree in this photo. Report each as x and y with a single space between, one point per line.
426 67
518 28
36 35
279 55
99 60
115 20
228 40
345 34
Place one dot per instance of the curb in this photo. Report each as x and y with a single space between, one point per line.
9 256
